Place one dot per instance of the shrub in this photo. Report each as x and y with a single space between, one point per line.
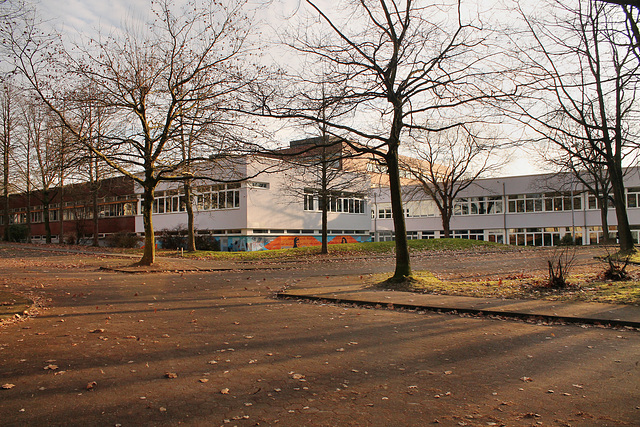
567 240
560 264
616 268
172 238
207 243
123 239
176 238
18 233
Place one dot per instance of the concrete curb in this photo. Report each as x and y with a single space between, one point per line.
520 315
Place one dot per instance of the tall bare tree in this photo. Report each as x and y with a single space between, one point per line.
8 124
396 63
145 81
318 171
584 83
45 146
448 163
589 170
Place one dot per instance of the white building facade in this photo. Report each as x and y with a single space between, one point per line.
256 205
264 209
534 210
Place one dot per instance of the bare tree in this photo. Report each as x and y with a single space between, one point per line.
448 163
46 151
318 172
145 81
583 83
589 170
7 143
396 64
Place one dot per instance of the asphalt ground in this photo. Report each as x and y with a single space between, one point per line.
197 347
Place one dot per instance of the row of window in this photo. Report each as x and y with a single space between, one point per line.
79 213
548 202
207 197
338 202
520 203
478 205
542 236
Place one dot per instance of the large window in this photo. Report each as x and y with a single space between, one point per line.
117 209
633 195
477 205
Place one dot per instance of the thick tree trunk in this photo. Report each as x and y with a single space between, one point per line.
604 218
403 263
149 254
624 230
446 225
325 223
191 233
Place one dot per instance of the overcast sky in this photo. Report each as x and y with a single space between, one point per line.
82 18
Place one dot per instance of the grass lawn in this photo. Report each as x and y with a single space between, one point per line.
580 288
347 249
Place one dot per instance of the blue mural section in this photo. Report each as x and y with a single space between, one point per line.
257 243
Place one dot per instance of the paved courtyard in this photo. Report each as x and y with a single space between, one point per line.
215 348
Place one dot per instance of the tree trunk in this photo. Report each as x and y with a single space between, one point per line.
446 225
96 213
149 254
5 187
5 215
403 263
45 213
28 214
604 218
624 230
61 212
325 198
191 234
325 223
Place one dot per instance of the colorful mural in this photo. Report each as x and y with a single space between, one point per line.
256 243
287 242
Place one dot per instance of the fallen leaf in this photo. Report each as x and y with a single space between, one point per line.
224 391
91 385
204 380
171 375
526 379
8 386
51 367
96 331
